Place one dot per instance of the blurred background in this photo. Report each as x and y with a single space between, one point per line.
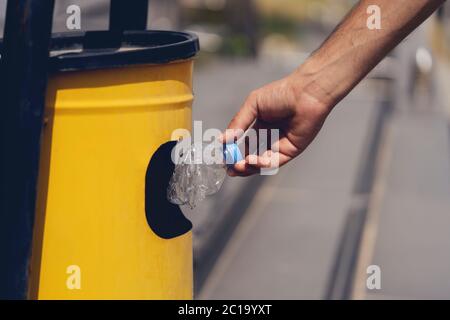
373 189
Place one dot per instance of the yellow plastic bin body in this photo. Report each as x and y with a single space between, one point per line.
91 237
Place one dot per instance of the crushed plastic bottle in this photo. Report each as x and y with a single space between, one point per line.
200 171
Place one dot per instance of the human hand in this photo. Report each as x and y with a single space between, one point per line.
287 105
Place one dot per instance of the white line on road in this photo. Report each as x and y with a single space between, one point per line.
369 236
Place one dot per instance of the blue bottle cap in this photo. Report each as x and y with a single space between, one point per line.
232 154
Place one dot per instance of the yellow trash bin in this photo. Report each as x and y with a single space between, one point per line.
108 110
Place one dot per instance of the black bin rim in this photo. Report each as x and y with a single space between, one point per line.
92 50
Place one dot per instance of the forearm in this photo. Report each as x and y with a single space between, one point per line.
353 49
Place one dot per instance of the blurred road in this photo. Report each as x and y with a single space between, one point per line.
372 189
285 242
410 213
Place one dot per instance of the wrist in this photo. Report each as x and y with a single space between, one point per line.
310 81
326 80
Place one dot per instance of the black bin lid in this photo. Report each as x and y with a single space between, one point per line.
106 49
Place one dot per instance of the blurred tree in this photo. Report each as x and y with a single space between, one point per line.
242 16
164 14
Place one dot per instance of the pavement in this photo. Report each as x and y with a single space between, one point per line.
413 238
284 242
292 240
220 87
410 217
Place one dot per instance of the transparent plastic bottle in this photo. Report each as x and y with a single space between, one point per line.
200 172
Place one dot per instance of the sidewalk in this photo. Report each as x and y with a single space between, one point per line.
215 104
284 247
413 238
413 215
